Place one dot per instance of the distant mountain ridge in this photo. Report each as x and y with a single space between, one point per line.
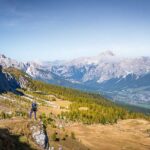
115 77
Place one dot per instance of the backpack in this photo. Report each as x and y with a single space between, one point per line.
34 106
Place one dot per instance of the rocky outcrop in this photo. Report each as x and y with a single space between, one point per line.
7 82
39 135
23 82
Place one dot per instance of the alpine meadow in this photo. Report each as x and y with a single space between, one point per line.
74 75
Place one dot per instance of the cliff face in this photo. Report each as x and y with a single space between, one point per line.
7 82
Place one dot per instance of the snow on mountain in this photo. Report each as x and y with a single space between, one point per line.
102 67
108 55
8 62
99 68
105 72
34 69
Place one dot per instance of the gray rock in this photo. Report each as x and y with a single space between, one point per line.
7 82
39 135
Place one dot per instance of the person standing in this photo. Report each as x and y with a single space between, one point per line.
33 109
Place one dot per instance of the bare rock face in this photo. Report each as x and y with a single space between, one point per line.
7 82
39 135
23 82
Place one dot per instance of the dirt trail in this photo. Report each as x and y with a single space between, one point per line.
125 135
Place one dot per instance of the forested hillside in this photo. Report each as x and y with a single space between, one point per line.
58 109
85 107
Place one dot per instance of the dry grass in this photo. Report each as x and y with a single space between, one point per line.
20 127
126 135
63 106
63 103
83 108
65 140
48 110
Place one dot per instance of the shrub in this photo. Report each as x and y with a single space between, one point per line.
53 99
44 119
63 138
73 135
53 125
2 115
54 137
23 139
20 113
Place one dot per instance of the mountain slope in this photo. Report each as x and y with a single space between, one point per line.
106 73
7 82
63 113
110 75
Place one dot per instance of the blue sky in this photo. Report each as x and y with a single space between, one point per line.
66 29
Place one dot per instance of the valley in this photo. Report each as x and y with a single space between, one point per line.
73 119
125 134
74 74
121 79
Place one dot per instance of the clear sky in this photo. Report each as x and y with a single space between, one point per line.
66 29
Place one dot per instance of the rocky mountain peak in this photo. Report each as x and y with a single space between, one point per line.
107 53
2 56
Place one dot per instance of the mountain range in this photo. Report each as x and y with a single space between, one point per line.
121 79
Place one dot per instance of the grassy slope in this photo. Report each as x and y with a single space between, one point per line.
15 126
100 110
15 134
77 107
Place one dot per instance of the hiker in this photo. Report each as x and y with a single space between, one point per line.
33 110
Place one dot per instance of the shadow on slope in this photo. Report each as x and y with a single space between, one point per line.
8 82
9 141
